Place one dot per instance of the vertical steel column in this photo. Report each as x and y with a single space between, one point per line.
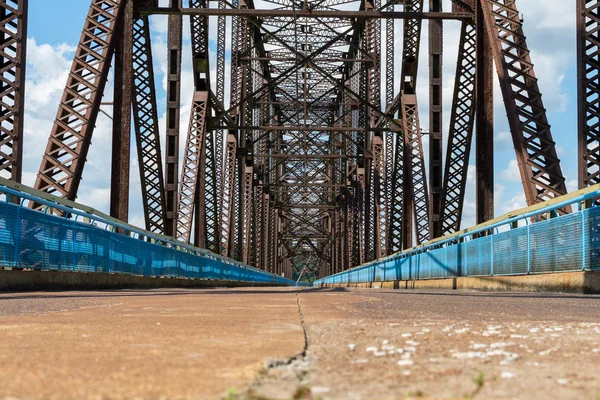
414 181
380 223
145 118
13 44
389 136
484 120
435 118
121 134
64 158
206 200
173 115
588 80
375 212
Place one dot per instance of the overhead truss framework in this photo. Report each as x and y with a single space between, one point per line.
308 154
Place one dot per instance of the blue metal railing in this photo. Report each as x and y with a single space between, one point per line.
510 245
87 242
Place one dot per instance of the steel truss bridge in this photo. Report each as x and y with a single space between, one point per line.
305 144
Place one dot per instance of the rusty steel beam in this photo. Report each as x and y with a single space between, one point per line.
228 190
539 165
300 13
64 158
174 43
436 46
588 79
417 193
145 118
121 118
415 204
206 200
194 163
13 44
462 119
484 123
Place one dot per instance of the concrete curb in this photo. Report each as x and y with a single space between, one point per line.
562 282
23 281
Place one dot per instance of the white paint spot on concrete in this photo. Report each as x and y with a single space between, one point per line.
320 390
469 354
507 375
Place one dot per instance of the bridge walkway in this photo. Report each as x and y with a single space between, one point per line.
250 343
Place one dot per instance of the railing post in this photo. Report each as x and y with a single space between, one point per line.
17 231
492 250
528 247
585 237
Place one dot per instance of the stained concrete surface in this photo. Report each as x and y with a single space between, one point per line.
310 343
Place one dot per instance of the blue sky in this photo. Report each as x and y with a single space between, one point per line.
549 26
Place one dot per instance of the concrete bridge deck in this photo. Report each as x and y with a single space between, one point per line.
285 343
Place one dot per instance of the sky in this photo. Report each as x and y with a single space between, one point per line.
549 27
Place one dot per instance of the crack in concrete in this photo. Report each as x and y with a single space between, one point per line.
284 378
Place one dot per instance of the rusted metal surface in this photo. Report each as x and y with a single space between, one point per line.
174 43
588 76
145 118
539 165
193 165
13 43
436 46
460 137
484 124
121 118
416 172
64 158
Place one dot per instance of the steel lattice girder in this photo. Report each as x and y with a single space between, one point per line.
145 116
461 132
206 200
588 65
416 170
536 153
62 165
194 162
13 41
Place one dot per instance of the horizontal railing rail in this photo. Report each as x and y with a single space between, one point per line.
52 240
531 240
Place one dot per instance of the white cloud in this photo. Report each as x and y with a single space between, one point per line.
516 202
511 173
